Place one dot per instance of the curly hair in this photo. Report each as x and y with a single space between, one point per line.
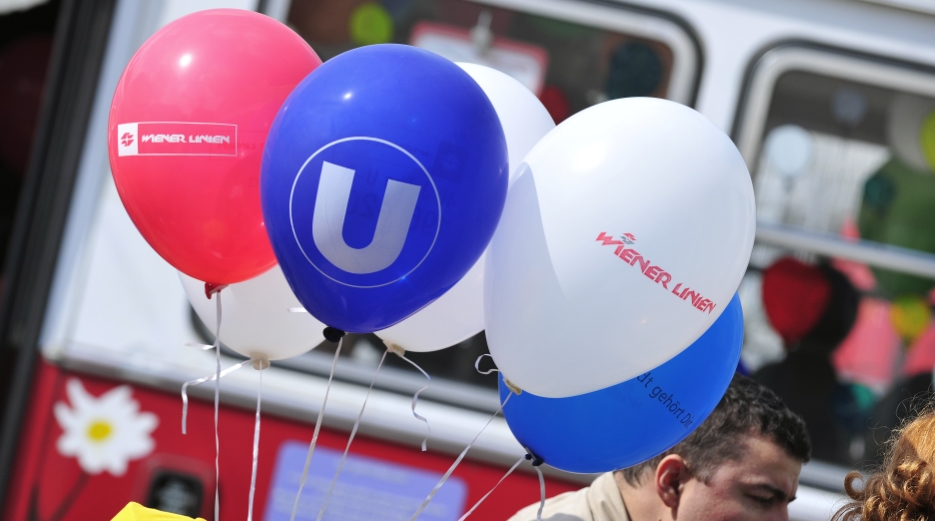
903 489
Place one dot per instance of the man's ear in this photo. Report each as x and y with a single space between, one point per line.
671 474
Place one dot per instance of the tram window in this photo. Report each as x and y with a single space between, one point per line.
840 145
571 54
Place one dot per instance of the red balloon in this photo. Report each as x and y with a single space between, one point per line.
795 296
187 128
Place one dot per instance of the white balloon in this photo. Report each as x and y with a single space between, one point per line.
454 317
523 117
459 313
622 240
255 317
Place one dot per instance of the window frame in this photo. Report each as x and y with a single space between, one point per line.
750 124
662 26
748 132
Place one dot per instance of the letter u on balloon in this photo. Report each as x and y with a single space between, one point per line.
334 190
402 255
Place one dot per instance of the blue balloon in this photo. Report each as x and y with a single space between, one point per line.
631 422
383 179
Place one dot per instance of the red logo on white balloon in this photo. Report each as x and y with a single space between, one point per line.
655 273
176 138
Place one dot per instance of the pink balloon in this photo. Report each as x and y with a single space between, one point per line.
187 128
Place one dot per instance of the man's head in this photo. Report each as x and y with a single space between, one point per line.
743 462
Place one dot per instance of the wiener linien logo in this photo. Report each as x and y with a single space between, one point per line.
176 138
657 274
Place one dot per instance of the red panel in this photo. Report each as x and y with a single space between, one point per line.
33 443
57 488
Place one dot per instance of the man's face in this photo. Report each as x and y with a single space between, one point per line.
759 486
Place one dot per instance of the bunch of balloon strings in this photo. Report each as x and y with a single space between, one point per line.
260 364
536 462
335 335
338 335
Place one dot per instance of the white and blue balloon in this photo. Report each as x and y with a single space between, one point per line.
623 239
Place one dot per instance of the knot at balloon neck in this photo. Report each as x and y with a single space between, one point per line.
395 349
211 289
536 460
259 362
515 389
333 334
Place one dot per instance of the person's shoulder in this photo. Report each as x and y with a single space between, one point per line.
599 502
563 507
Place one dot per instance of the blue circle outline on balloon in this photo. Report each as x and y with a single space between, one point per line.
383 142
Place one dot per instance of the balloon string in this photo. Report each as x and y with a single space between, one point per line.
217 406
311 446
457 462
541 493
473 508
200 381
256 448
477 365
203 347
415 399
360 415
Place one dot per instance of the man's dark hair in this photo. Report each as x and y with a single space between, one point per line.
747 408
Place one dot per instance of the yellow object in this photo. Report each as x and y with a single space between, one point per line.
137 512
99 430
910 316
927 139
371 24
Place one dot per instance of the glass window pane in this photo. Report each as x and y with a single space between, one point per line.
843 146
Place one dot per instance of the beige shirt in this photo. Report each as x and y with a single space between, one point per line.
599 502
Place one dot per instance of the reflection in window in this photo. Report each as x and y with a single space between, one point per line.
843 343
569 66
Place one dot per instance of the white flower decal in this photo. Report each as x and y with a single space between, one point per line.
104 433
